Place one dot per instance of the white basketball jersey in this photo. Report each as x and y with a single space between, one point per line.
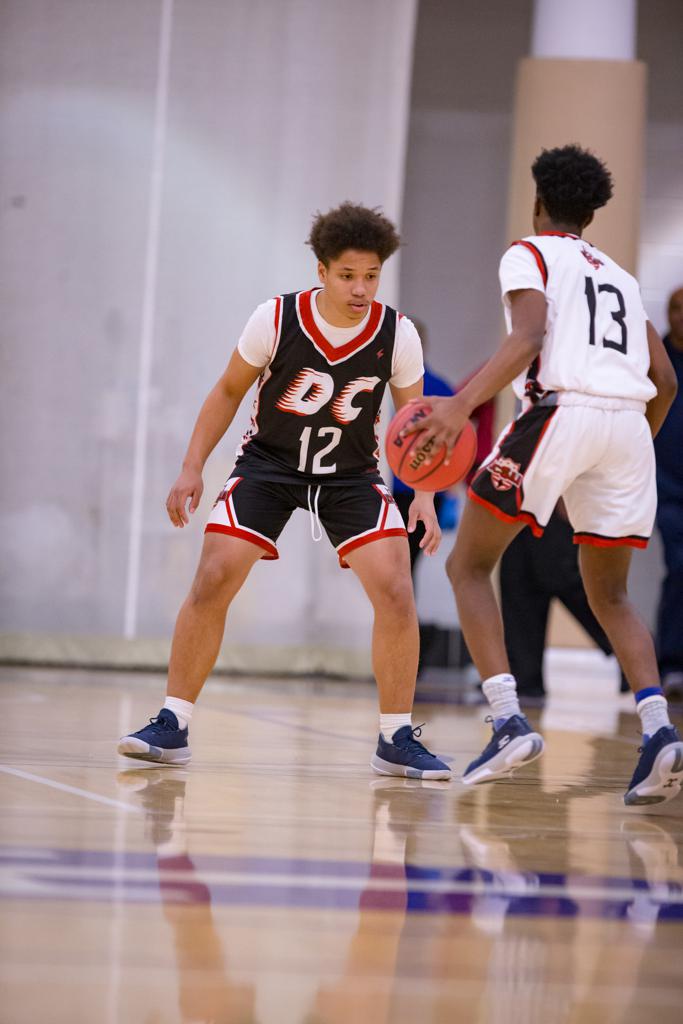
596 339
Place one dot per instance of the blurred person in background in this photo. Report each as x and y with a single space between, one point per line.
445 502
669 455
438 648
403 494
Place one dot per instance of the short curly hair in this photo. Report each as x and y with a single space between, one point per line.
571 183
350 226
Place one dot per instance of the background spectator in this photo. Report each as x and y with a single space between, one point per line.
669 452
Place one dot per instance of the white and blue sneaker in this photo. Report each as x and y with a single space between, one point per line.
659 771
513 744
404 755
162 741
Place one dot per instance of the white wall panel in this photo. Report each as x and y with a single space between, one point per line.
275 110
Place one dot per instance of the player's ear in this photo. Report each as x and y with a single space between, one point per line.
538 206
322 272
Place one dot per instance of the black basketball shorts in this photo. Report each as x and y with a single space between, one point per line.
351 515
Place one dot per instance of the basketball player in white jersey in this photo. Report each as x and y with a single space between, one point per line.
322 359
595 384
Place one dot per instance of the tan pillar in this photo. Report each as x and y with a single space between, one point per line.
599 104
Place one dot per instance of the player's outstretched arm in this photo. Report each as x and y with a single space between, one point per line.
663 376
520 348
215 416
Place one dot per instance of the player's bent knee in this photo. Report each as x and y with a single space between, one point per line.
396 598
605 603
214 578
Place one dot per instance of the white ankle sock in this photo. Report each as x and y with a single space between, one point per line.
501 693
182 709
654 713
388 724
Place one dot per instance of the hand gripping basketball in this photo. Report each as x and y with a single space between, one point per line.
418 461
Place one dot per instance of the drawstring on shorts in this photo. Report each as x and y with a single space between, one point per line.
316 525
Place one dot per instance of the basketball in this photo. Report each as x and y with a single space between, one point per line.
408 455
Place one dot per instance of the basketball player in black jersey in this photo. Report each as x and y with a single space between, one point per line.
322 359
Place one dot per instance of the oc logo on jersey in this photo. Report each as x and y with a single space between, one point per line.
312 389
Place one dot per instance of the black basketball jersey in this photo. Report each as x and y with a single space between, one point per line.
316 411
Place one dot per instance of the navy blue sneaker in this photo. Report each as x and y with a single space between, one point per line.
161 741
514 744
659 771
404 755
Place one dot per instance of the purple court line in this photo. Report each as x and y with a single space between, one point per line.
46 857
280 896
179 880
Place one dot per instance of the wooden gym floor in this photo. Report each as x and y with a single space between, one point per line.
277 880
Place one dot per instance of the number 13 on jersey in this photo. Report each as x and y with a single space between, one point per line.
618 315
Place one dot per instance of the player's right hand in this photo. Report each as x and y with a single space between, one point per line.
188 486
444 423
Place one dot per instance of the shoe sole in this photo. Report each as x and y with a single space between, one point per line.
383 767
129 746
521 750
664 781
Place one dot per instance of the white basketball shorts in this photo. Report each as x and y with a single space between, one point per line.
598 457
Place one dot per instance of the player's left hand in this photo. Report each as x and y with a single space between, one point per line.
444 423
422 511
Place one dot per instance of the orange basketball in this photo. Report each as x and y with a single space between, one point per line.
408 455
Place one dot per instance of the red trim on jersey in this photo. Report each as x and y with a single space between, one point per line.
538 256
278 311
521 517
558 234
234 531
596 541
332 354
368 538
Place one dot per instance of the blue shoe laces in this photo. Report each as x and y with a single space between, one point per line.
412 745
163 724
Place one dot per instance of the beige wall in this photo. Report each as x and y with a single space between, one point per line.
601 106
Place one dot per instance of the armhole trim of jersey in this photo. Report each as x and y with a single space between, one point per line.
538 256
278 326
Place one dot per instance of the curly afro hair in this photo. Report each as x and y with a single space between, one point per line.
352 227
571 183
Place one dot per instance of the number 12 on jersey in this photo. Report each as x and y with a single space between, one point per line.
304 442
617 315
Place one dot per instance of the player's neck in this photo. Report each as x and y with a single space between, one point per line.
545 226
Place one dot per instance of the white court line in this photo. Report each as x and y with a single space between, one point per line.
70 789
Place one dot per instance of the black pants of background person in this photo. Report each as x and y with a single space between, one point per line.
439 647
404 500
532 572
670 616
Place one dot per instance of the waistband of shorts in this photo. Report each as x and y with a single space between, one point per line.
607 402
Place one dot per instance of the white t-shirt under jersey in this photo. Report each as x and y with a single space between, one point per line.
596 339
258 340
